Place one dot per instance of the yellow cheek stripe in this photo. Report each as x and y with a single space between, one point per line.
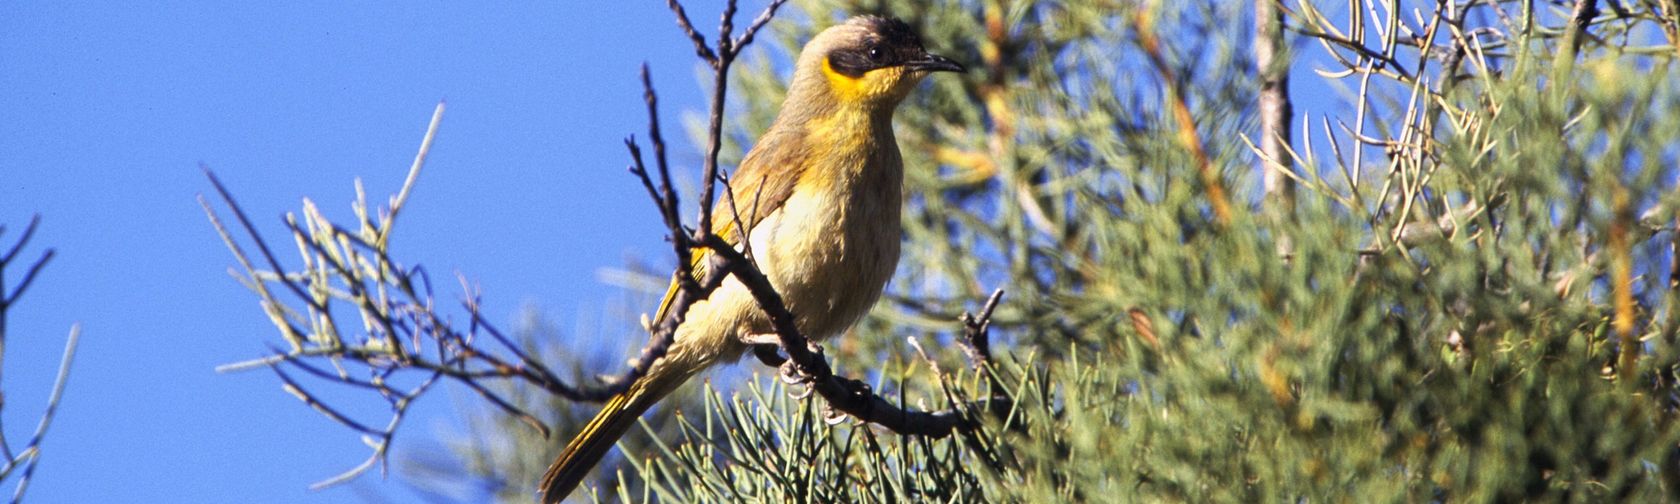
871 84
845 87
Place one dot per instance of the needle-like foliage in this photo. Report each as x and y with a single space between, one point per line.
1472 297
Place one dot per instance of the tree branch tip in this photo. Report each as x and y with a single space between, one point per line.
991 303
247 365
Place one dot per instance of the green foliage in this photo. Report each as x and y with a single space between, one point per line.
1476 305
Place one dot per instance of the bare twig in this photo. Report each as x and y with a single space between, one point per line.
700 47
727 50
29 457
759 22
401 198
402 330
807 365
262 245
976 332
32 451
665 195
8 298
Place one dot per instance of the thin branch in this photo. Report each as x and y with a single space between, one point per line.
404 330
251 230
507 407
759 22
32 451
7 301
806 365
714 131
666 195
700 47
524 358
28 232
401 198
291 334
976 332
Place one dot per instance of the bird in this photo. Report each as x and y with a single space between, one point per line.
816 202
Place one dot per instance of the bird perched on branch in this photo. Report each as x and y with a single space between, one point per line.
817 200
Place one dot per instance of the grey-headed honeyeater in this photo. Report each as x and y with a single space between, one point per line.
819 197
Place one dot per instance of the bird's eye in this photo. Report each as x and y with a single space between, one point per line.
875 53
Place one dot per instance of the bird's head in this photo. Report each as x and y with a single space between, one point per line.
868 60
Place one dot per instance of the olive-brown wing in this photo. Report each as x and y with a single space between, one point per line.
759 188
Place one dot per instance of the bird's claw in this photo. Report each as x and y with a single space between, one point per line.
832 417
791 373
799 383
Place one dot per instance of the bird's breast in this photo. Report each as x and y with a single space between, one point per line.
834 244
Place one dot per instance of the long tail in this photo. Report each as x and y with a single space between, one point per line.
593 442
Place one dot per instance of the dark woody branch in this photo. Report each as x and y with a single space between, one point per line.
727 49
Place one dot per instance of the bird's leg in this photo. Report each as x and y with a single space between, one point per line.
786 369
766 353
793 374
761 339
765 345
773 340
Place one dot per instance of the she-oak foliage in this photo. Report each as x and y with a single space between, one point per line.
1478 304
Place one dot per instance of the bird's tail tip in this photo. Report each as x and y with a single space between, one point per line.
598 437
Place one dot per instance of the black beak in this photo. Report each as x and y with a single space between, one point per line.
935 63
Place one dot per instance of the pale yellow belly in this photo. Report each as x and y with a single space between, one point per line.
830 255
829 250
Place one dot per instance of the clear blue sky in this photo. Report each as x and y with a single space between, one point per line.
110 107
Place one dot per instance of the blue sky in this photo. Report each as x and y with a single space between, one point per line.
110 108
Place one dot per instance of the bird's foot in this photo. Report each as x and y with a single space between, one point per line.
767 346
792 375
798 380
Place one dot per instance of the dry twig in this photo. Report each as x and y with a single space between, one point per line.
29 457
